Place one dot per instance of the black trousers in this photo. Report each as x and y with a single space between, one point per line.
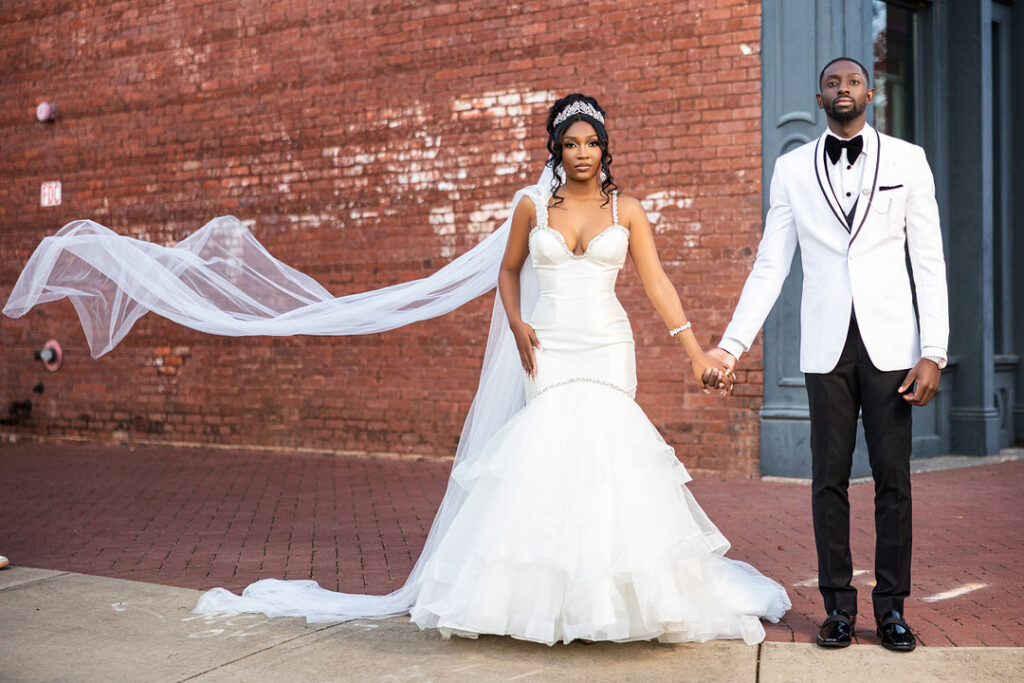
835 399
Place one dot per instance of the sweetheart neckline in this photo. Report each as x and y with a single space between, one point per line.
565 245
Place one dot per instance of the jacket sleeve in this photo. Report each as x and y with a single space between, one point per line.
924 245
774 259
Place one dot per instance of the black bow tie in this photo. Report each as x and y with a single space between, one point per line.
834 146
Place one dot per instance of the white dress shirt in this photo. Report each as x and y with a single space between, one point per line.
846 179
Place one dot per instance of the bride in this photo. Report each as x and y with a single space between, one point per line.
579 525
566 514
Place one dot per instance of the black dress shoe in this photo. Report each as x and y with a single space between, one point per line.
895 633
837 629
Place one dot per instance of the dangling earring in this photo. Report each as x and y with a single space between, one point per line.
604 176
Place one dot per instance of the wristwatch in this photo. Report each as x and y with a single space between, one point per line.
938 360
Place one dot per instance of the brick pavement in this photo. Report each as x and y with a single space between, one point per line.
199 518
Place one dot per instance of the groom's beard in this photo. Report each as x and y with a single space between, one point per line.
848 115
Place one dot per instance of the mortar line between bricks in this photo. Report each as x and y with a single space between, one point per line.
34 582
394 456
757 665
252 654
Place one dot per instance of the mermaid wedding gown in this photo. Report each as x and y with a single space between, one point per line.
566 515
580 524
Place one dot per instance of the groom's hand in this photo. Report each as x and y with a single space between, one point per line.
927 375
726 359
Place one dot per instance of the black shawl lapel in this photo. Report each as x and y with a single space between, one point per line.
825 185
861 214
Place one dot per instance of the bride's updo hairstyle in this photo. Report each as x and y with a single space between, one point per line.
555 134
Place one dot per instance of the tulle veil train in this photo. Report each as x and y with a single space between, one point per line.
221 280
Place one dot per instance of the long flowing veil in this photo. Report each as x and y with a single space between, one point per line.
221 280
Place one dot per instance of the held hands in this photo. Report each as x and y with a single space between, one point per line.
927 375
526 341
714 372
725 367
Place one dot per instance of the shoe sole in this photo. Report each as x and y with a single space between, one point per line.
895 648
834 646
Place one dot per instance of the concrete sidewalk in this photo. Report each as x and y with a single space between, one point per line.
64 626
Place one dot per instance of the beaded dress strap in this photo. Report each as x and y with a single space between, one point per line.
615 208
542 212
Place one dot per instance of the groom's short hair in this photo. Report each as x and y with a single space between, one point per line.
843 59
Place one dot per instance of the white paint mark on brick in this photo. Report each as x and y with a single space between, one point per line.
413 163
956 592
656 202
308 220
442 218
488 217
512 108
746 49
692 235
190 63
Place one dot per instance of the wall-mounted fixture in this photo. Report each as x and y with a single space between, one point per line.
51 355
46 111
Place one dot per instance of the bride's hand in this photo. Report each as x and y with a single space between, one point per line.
526 341
712 374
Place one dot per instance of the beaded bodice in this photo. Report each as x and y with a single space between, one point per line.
582 328
564 273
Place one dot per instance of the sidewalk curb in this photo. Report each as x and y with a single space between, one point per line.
62 625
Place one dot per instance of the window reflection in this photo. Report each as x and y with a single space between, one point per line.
893 29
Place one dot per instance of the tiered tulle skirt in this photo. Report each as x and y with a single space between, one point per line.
581 527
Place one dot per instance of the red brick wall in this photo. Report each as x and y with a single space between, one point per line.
366 144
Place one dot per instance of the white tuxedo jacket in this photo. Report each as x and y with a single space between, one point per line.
863 268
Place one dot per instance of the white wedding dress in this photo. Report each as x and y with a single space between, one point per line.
566 515
579 525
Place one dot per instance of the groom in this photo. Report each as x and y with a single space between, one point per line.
857 203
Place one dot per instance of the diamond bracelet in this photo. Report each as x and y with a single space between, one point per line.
682 328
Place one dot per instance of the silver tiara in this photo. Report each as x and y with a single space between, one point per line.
579 107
